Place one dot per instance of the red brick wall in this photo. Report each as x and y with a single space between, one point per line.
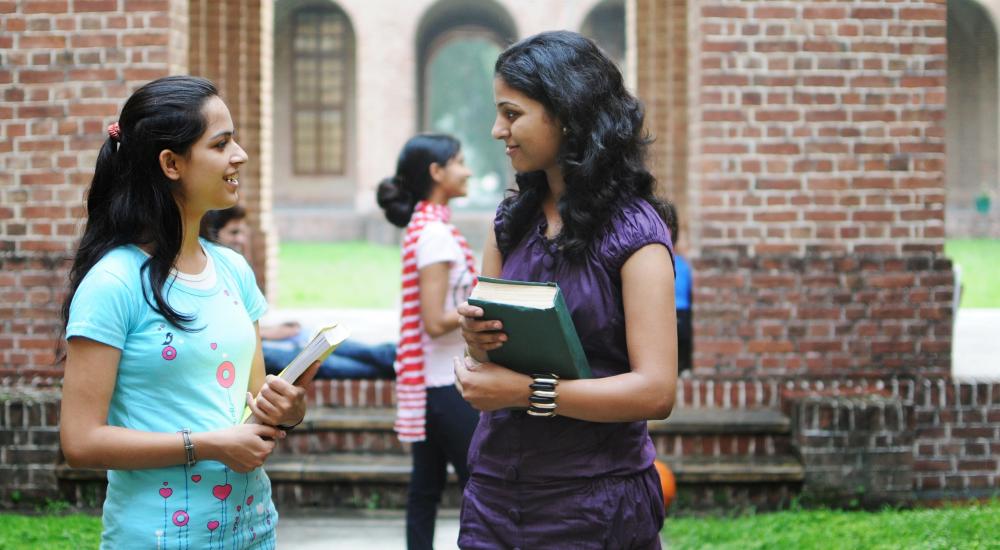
815 195
821 126
863 314
66 69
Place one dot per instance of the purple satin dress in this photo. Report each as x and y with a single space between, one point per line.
559 482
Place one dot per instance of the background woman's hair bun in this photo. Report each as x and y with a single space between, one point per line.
395 200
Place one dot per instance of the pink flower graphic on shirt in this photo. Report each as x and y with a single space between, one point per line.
169 352
181 518
225 375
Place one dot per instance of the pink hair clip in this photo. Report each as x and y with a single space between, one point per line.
114 131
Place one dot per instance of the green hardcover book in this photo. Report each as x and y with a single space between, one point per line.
541 338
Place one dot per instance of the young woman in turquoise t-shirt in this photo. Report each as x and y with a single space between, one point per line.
163 348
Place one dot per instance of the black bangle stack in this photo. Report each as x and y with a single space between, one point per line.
543 395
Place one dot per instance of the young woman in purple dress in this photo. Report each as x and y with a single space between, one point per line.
574 470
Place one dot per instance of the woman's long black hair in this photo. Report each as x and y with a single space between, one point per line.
603 149
412 183
131 201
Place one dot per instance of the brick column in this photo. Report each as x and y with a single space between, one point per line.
857 450
661 43
66 68
957 446
29 446
230 44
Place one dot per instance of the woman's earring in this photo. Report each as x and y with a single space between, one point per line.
565 131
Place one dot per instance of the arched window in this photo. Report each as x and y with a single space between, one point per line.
605 25
973 116
320 82
459 101
457 45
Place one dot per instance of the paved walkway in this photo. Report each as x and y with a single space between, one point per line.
354 529
360 530
367 325
976 348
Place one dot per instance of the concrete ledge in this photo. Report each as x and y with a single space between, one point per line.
366 468
736 469
682 421
396 469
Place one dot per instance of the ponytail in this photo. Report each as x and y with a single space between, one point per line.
130 200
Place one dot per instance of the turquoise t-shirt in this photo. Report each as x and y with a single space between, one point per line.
169 379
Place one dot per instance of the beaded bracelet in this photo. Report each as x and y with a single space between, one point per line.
542 401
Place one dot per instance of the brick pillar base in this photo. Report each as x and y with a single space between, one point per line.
29 447
857 450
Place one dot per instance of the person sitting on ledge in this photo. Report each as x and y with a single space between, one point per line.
283 341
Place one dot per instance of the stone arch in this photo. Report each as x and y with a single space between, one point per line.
973 123
460 38
445 17
305 187
605 25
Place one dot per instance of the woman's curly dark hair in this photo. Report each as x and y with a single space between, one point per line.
602 152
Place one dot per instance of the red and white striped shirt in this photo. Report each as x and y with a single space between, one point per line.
411 392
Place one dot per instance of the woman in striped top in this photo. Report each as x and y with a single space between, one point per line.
438 275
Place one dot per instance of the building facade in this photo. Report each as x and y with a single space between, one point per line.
809 146
387 70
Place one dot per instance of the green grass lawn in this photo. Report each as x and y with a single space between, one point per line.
980 260
971 526
49 532
363 275
338 275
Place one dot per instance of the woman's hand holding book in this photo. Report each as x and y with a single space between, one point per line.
481 336
489 386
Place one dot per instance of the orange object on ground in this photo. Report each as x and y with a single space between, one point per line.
667 483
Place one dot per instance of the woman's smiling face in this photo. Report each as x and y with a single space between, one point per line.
531 134
209 173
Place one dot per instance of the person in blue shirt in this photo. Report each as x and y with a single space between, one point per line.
683 294
162 352
282 342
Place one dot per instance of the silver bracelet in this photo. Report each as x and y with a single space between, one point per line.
188 447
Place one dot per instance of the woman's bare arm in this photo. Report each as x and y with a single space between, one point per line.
89 442
433 287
